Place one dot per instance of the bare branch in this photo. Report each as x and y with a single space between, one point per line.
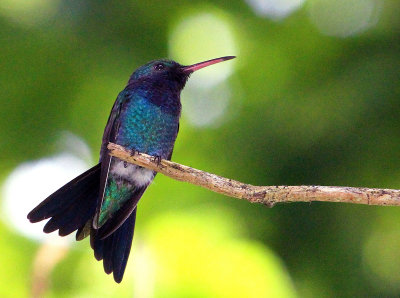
268 195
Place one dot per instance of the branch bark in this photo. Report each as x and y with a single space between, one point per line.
267 195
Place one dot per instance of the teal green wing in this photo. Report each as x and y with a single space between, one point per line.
110 133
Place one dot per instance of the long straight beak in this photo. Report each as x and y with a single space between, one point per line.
191 68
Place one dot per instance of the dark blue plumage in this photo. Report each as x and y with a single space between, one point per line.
102 201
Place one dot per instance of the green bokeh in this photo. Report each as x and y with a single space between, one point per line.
304 108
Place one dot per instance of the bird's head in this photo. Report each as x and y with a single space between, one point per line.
169 72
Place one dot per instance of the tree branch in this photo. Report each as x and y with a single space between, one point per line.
268 195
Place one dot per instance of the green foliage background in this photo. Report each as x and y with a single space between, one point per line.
304 108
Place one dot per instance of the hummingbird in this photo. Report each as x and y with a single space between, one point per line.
102 202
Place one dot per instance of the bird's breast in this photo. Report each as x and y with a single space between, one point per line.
147 128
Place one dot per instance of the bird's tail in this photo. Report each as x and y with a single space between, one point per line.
70 207
114 249
73 207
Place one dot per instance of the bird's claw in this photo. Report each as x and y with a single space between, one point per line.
134 152
157 160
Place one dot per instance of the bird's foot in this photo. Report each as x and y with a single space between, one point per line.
157 160
134 152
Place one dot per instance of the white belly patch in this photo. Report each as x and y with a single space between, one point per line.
137 175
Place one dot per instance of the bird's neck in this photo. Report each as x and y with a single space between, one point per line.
160 93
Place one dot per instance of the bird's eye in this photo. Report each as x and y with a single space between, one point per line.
159 66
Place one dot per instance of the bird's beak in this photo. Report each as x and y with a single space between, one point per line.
191 68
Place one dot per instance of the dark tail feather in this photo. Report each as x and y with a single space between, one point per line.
71 206
73 217
114 250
